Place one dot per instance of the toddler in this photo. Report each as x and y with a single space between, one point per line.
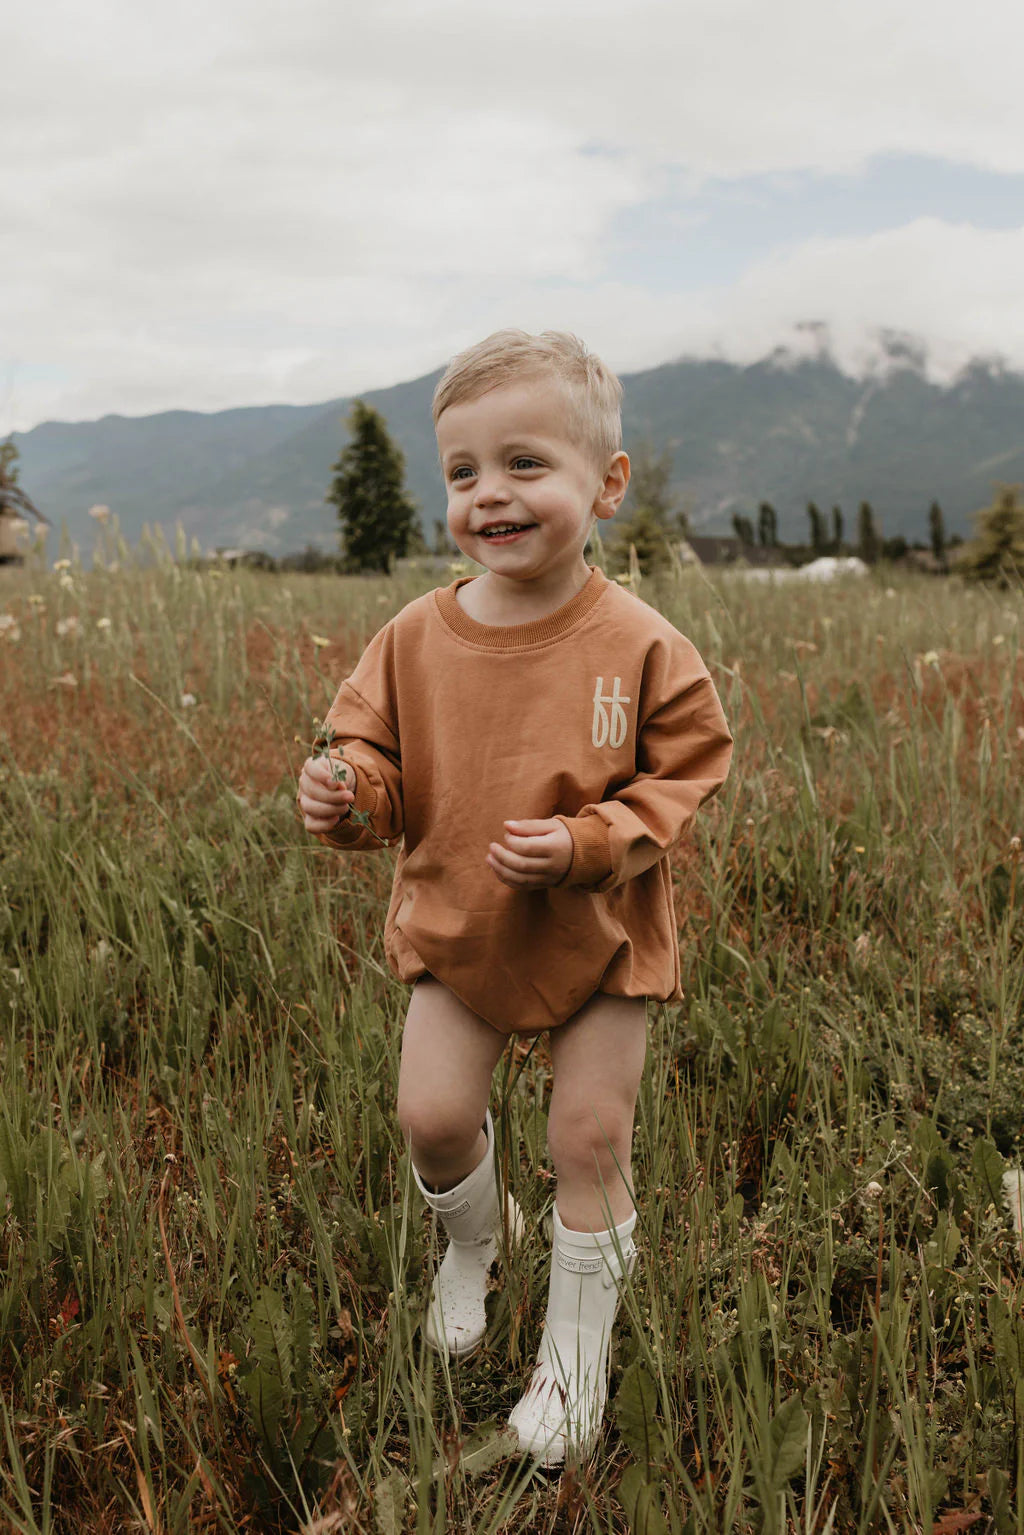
539 739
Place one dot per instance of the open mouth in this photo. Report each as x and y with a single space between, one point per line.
506 532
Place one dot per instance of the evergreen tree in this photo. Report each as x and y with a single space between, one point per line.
767 526
996 553
869 541
376 515
837 530
652 520
743 528
937 532
817 528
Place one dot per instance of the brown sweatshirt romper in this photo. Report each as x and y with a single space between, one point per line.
601 714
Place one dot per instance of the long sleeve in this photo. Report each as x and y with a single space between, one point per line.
683 753
364 719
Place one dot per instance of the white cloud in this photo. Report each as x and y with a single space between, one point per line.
231 202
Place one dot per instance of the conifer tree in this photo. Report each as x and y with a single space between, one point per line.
817 528
376 515
869 542
996 553
837 530
743 528
937 532
767 525
652 520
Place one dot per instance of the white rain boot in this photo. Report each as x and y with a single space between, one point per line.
563 1405
471 1215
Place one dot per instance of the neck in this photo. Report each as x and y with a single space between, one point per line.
506 601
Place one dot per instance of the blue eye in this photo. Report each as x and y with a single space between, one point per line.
524 462
462 472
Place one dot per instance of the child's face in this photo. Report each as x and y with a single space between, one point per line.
511 457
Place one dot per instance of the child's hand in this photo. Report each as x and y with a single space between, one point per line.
538 853
322 799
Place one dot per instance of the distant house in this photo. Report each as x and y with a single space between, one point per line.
711 549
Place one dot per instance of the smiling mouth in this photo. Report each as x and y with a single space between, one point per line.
506 530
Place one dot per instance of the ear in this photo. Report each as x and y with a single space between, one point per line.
616 483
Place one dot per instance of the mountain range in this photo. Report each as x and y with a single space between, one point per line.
788 429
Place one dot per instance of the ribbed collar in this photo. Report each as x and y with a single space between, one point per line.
518 636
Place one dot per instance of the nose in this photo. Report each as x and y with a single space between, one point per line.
491 489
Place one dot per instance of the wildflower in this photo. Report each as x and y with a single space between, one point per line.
36 600
66 582
100 513
627 579
862 948
457 568
319 640
59 565
69 625
1013 1193
873 1190
103 623
65 680
930 658
999 639
9 628
188 700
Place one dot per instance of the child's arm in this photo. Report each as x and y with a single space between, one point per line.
683 752
362 722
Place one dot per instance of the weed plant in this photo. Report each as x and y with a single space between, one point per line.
212 1264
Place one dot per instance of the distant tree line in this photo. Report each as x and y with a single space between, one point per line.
378 522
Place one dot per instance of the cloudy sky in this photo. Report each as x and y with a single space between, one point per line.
232 202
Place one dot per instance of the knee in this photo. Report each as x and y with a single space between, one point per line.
437 1132
586 1137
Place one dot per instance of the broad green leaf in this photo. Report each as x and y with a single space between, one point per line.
987 1166
635 1414
389 1504
787 1442
641 1502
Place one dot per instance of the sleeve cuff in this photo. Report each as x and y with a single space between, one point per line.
591 851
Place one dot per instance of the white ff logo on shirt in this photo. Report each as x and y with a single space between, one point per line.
609 729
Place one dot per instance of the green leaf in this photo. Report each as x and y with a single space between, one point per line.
635 1414
641 1502
987 1166
389 1504
998 1484
787 1442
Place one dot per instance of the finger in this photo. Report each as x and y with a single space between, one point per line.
513 880
530 847
519 863
531 828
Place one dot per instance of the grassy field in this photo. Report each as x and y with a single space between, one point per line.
212 1264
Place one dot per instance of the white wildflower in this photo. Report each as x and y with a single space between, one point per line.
1013 1193
65 680
862 948
930 658
188 700
9 627
62 565
66 582
319 640
873 1190
103 623
69 625
100 513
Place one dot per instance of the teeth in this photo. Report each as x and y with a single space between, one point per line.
510 527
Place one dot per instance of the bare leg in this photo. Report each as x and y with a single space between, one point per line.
448 1059
597 1058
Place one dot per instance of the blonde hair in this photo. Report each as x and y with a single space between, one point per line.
594 393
